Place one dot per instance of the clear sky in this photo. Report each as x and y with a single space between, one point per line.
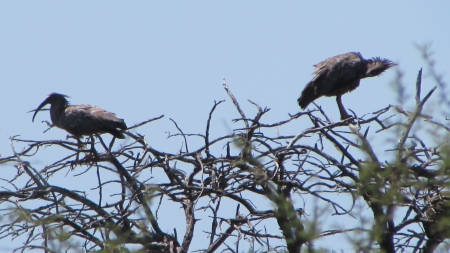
141 59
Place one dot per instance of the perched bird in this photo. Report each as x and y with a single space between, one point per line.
436 227
340 74
80 120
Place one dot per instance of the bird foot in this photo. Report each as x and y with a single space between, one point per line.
346 116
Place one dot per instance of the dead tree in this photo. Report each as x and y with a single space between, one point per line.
325 171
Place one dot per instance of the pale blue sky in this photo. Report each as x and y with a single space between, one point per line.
142 59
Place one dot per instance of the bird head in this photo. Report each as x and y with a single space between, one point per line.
54 99
377 65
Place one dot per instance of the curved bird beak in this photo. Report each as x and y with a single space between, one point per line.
46 101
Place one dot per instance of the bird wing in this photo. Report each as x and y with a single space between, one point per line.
87 119
334 75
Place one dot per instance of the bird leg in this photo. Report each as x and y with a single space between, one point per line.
111 144
93 151
104 144
80 146
344 114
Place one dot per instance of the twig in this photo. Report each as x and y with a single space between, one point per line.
235 102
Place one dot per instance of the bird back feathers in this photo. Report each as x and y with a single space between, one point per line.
88 119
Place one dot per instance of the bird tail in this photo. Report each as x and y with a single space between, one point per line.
117 128
117 133
308 95
378 65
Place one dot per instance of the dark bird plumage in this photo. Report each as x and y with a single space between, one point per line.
340 74
80 120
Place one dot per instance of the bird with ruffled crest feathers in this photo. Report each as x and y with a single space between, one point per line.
340 74
80 120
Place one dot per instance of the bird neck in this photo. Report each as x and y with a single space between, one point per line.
57 113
